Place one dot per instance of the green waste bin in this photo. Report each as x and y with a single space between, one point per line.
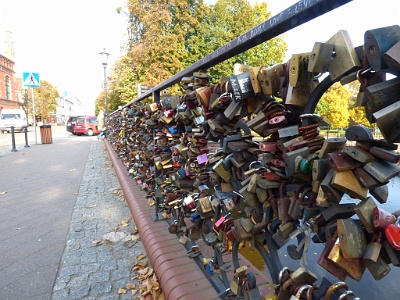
45 134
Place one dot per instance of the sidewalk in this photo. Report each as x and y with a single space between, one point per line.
57 201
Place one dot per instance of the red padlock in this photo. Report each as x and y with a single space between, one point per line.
392 232
272 176
381 218
267 146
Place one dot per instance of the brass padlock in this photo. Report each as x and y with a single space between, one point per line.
303 276
346 59
269 78
321 57
299 95
373 249
298 69
354 267
364 211
352 238
347 182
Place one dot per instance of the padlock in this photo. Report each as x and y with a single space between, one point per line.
374 247
290 159
388 122
327 264
298 69
299 95
384 154
380 95
364 211
391 58
346 182
378 269
321 57
354 267
394 255
346 59
382 170
341 161
365 178
332 194
392 232
352 238
358 154
253 71
269 78
320 168
300 292
338 211
303 276
382 218
380 193
355 132
331 145
377 42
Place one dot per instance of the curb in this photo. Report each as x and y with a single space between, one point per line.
179 276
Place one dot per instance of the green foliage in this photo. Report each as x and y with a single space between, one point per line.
45 99
164 38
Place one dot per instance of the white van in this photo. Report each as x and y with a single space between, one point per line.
12 117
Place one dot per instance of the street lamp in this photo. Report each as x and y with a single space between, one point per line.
104 58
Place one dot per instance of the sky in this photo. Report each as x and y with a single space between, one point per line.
61 39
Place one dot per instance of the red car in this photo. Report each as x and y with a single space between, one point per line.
86 125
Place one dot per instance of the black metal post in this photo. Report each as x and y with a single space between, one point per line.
26 137
14 149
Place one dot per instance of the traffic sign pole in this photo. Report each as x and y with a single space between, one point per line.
34 115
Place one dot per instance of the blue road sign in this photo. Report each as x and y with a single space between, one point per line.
30 80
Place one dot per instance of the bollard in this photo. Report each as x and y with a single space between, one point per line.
14 149
26 137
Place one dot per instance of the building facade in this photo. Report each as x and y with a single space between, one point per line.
8 84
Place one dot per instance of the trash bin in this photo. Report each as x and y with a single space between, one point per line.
45 134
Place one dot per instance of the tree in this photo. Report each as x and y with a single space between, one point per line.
45 100
166 37
334 105
230 19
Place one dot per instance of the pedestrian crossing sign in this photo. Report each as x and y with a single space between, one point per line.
30 80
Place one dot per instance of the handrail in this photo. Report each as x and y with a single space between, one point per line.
297 14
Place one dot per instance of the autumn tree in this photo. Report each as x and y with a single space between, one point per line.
229 19
334 105
167 37
45 99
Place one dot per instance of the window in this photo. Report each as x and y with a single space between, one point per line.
8 88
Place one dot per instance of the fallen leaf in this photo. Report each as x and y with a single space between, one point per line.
141 256
97 242
142 264
3 193
143 271
130 286
72 170
122 291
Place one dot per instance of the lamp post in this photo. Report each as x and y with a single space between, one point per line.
104 58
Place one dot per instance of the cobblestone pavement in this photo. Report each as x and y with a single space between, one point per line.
87 270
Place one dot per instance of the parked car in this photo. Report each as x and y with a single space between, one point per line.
71 123
86 125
